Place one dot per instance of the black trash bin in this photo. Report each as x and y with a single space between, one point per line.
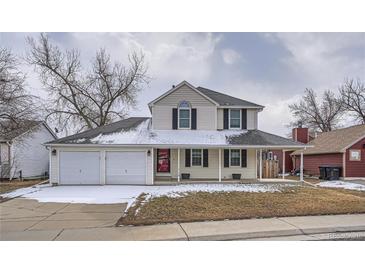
329 172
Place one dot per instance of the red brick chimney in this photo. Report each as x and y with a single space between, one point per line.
301 134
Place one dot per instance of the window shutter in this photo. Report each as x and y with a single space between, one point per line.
205 158
193 118
226 158
244 119
187 157
174 118
225 118
244 158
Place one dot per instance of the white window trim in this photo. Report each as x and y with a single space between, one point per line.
191 158
240 165
178 117
354 160
229 120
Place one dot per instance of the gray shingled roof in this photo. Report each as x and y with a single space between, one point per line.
246 138
226 100
260 138
122 125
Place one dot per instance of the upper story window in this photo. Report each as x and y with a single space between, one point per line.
234 118
184 115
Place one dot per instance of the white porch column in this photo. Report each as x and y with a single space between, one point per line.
178 165
283 171
301 166
260 158
220 165
153 166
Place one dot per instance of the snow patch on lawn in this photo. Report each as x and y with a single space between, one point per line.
112 194
342 184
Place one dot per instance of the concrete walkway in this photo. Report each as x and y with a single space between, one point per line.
23 219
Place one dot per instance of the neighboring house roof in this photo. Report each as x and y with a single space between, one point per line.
137 131
336 141
217 98
31 124
226 100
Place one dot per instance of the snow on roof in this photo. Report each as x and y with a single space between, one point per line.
142 134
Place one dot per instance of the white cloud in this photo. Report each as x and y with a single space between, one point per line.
230 56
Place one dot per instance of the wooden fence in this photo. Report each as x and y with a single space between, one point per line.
270 168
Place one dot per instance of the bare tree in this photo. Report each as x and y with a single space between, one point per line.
323 116
85 99
353 98
17 107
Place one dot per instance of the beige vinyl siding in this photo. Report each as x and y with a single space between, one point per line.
205 118
162 110
220 118
55 161
211 172
184 93
162 117
251 118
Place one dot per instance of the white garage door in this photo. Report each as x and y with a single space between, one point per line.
126 167
79 168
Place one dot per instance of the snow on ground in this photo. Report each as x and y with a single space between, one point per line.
342 184
111 194
142 134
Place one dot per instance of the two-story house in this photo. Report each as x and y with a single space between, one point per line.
194 134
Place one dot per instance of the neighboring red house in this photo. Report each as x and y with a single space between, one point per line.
343 148
299 135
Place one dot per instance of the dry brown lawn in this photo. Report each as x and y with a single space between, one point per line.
7 186
200 206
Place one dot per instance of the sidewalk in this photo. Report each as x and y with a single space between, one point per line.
295 228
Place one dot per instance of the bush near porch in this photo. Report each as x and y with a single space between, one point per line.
201 206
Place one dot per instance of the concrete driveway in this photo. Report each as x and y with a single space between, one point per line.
22 219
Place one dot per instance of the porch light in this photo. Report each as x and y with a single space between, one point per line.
54 152
149 152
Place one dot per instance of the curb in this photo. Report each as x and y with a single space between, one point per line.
276 233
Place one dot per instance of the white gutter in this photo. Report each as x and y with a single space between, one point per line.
179 146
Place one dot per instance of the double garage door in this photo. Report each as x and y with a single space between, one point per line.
85 167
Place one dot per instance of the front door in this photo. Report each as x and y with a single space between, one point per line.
163 160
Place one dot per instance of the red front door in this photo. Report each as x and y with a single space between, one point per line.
163 160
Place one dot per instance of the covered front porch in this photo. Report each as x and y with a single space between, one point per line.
213 165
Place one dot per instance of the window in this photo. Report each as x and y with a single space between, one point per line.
235 118
235 158
355 155
184 114
196 157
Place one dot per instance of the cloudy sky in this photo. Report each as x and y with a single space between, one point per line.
271 69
